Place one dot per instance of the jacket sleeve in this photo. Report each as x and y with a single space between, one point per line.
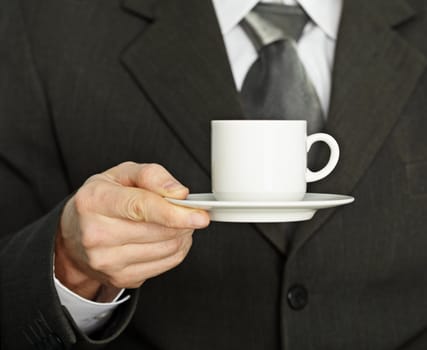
33 189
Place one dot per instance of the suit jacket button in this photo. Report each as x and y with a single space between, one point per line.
297 297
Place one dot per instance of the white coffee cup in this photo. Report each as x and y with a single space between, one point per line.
264 160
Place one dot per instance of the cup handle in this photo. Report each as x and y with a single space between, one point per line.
333 158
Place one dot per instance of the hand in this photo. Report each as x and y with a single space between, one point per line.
118 230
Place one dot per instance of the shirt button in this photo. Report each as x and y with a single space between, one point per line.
297 297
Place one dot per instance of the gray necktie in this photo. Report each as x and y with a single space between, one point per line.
276 85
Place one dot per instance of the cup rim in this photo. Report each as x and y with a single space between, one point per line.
259 121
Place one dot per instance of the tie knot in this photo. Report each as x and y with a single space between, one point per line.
267 23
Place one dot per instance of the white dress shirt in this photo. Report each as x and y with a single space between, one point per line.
316 50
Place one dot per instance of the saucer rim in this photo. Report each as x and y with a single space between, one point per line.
267 212
324 200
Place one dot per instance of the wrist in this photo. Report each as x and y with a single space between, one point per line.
71 275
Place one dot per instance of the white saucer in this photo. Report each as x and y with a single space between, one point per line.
227 211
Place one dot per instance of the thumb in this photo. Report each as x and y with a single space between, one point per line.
151 177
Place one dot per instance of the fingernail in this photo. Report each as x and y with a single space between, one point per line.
198 220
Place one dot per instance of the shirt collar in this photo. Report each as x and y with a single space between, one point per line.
326 14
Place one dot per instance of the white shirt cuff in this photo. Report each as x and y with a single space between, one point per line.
87 314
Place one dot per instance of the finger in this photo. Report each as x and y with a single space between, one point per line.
134 275
139 205
110 232
152 177
114 260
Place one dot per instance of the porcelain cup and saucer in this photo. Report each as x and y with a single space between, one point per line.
260 174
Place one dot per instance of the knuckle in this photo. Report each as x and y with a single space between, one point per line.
89 195
92 236
119 168
92 179
99 262
188 243
116 281
174 245
180 256
125 279
81 200
126 164
149 172
135 209
86 241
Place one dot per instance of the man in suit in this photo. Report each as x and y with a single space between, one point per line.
86 85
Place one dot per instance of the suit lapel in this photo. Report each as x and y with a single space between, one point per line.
180 63
375 73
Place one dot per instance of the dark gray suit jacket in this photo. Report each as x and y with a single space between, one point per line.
87 84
